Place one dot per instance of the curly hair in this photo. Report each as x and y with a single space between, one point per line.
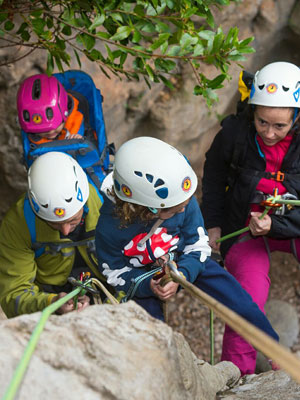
129 212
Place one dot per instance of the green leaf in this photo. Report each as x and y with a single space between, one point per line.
150 72
122 33
77 57
245 42
36 13
3 17
49 22
148 83
207 35
216 83
148 27
162 27
136 37
174 51
66 30
50 64
117 17
109 53
247 50
161 39
25 36
166 82
97 22
123 58
198 91
8 26
139 10
198 50
1 33
87 40
38 25
187 40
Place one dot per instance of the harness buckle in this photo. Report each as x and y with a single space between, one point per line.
277 176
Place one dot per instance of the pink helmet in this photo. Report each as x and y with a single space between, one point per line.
42 104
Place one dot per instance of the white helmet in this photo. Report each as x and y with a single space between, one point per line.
276 85
57 186
150 172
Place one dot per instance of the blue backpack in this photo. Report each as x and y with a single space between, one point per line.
92 151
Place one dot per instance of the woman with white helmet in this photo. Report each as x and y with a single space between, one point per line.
253 157
47 236
150 215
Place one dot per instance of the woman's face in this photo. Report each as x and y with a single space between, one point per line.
273 123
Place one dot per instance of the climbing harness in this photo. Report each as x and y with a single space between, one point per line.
83 285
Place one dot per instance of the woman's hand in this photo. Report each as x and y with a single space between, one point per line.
163 292
259 227
83 302
213 235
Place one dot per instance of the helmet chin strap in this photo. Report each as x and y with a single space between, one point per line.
153 210
296 111
150 233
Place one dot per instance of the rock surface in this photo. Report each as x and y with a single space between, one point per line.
108 352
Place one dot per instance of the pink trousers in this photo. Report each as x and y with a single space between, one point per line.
249 262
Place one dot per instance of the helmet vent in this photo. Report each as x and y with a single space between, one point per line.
286 89
159 182
49 113
44 205
69 200
162 193
138 173
26 116
149 178
261 87
36 89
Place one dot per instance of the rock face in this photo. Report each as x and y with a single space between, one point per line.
108 352
271 385
131 109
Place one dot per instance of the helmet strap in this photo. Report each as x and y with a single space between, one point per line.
153 210
296 111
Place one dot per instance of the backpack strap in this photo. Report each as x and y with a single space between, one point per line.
30 220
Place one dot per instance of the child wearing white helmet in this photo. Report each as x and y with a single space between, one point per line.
47 236
253 157
149 215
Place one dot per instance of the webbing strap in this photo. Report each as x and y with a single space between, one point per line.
30 220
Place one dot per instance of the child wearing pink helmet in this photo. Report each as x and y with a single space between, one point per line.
46 111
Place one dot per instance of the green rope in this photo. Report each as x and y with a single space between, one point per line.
21 368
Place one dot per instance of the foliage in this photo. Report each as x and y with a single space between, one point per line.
143 38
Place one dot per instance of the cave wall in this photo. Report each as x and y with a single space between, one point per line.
131 109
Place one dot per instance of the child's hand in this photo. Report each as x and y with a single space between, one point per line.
163 292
